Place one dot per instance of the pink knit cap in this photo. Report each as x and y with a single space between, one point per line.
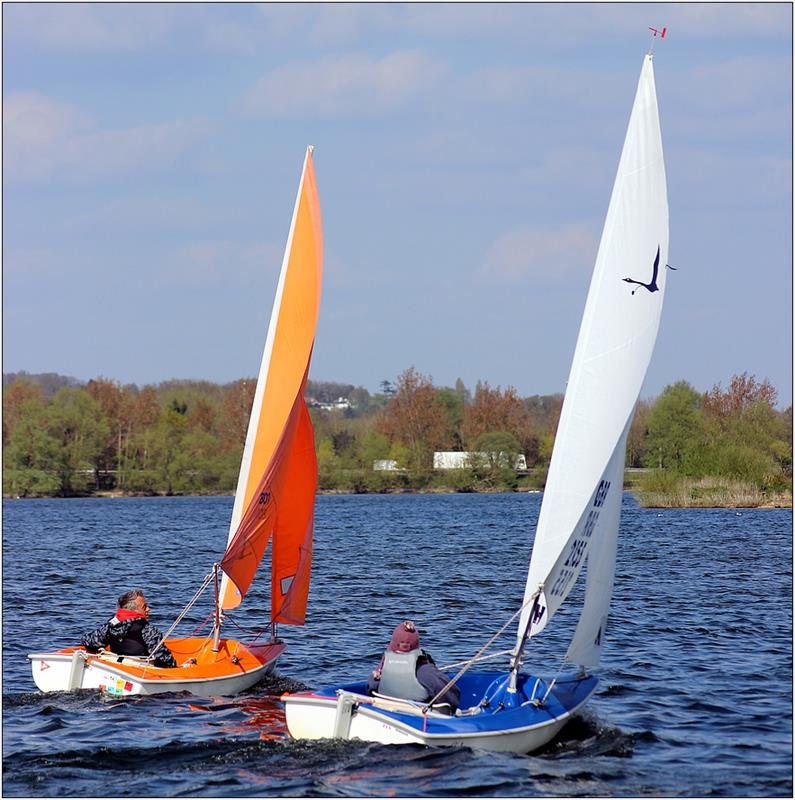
405 638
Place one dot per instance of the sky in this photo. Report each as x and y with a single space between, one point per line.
465 156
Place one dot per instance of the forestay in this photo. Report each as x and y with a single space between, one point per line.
582 498
278 476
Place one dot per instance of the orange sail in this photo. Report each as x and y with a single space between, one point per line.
278 476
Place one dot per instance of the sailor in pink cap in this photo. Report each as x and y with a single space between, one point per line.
410 673
405 638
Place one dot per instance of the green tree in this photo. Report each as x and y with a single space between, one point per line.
453 403
30 454
138 461
165 449
235 412
676 430
374 446
400 454
494 458
197 466
464 395
636 439
326 463
747 433
78 424
15 397
117 408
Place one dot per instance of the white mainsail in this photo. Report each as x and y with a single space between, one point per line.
582 498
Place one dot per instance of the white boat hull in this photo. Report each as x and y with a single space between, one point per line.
308 719
347 714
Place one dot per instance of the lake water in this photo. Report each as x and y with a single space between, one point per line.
695 695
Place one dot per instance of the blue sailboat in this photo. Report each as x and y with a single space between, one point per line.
512 710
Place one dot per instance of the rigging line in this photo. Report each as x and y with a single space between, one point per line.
181 616
553 681
201 625
248 631
480 652
262 630
482 658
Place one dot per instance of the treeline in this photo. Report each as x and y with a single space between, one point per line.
726 447
62 438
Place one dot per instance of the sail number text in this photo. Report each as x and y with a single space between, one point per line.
579 545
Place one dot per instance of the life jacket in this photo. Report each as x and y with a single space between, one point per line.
399 676
126 639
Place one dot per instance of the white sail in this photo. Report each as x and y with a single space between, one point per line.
586 645
614 347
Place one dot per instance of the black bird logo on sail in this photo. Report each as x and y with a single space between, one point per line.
652 285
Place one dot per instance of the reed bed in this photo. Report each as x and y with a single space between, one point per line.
711 493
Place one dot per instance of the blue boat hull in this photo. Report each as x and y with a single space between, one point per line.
490 716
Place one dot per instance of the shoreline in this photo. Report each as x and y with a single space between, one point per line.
655 500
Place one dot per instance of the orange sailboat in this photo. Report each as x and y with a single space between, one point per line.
274 502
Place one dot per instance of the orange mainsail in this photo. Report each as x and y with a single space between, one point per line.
275 494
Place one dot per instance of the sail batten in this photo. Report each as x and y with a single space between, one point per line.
614 347
274 501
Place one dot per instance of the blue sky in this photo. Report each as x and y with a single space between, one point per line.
465 156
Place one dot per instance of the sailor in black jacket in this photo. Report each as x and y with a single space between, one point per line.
129 633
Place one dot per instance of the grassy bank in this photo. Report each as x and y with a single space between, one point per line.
709 492
651 491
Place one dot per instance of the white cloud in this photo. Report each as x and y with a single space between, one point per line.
552 86
736 84
570 24
355 84
753 181
144 146
90 26
43 137
719 20
549 254
34 128
213 261
245 28
30 262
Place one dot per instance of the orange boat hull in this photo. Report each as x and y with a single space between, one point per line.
234 668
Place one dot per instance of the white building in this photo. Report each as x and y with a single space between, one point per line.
340 404
385 465
453 459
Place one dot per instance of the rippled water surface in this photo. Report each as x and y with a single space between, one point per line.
695 695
